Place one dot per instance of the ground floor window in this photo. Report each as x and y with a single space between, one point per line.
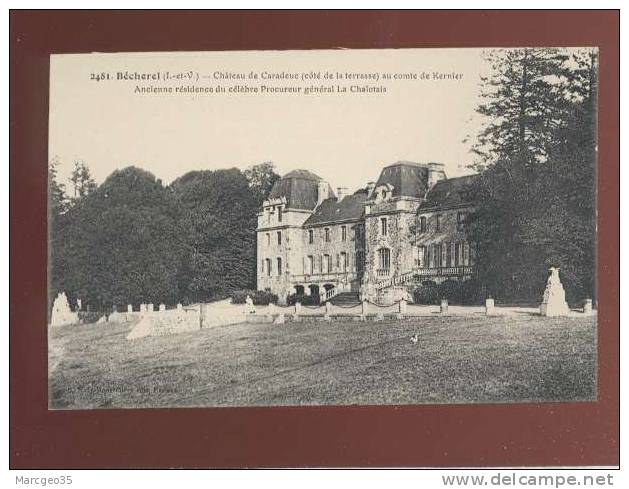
268 267
384 258
279 267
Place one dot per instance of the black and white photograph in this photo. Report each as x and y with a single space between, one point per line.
322 227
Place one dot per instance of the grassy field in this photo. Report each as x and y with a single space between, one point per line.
456 360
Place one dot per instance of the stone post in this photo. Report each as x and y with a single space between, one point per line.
328 309
402 309
587 306
142 307
489 306
271 311
150 308
297 310
180 307
162 307
363 312
444 306
129 308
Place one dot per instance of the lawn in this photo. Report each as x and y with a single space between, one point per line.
456 360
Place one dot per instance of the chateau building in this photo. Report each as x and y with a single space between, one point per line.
378 243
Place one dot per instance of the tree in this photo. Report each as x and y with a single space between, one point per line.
120 243
537 184
81 178
57 207
521 105
57 199
217 224
261 179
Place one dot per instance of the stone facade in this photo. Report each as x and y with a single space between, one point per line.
378 242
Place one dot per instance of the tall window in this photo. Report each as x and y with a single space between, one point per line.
458 254
310 236
343 261
268 267
268 239
279 214
437 255
279 267
327 263
311 266
423 257
279 238
460 219
383 226
343 233
448 260
437 222
422 224
384 258
357 231
327 235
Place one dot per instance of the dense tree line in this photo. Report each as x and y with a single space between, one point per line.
537 163
132 239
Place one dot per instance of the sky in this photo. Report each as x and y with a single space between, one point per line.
346 138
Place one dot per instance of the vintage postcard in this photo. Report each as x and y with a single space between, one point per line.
333 227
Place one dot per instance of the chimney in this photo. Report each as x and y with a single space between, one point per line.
341 193
323 191
435 173
370 187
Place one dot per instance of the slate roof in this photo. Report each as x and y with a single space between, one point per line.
300 187
451 192
408 179
331 210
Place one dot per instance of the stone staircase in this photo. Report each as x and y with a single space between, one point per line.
396 280
345 299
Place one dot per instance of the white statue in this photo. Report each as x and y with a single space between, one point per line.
554 302
249 309
61 313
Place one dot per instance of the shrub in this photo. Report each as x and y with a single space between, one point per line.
259 297
303 299
451 290
426 294
472 292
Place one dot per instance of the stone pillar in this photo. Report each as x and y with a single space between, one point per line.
444 306
129 308
489 306
297 310
271 311
180 307
363 312
162 307
150 308
142 307
587 306
328 309
403 306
